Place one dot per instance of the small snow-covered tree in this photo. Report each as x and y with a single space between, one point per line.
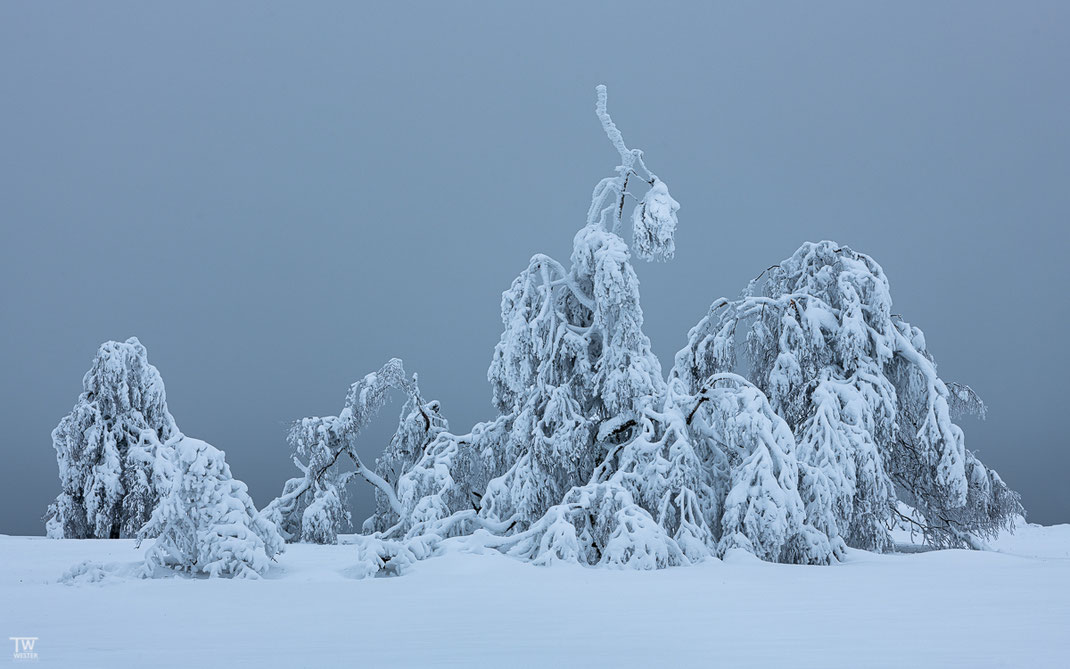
312 507
206 522
860 392
317 511
107 446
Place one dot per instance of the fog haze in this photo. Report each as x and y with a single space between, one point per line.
277 198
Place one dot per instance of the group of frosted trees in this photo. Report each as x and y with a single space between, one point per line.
128 472
801 418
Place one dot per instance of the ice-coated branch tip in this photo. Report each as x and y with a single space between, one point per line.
611 128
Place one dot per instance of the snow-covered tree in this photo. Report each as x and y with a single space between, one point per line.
206 522
580 388
312 507
108 445
857 387
318 510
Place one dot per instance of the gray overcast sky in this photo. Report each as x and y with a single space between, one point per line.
276 198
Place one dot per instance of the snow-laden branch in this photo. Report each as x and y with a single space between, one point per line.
627 156
377 481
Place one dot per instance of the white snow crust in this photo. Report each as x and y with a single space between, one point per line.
948 608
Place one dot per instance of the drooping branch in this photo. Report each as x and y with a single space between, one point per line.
379 482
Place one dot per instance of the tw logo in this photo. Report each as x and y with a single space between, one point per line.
24 646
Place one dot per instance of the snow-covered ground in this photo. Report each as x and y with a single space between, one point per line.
1009 608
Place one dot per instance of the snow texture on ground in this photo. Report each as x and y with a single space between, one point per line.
1007 608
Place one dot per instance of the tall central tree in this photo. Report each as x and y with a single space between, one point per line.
573 356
